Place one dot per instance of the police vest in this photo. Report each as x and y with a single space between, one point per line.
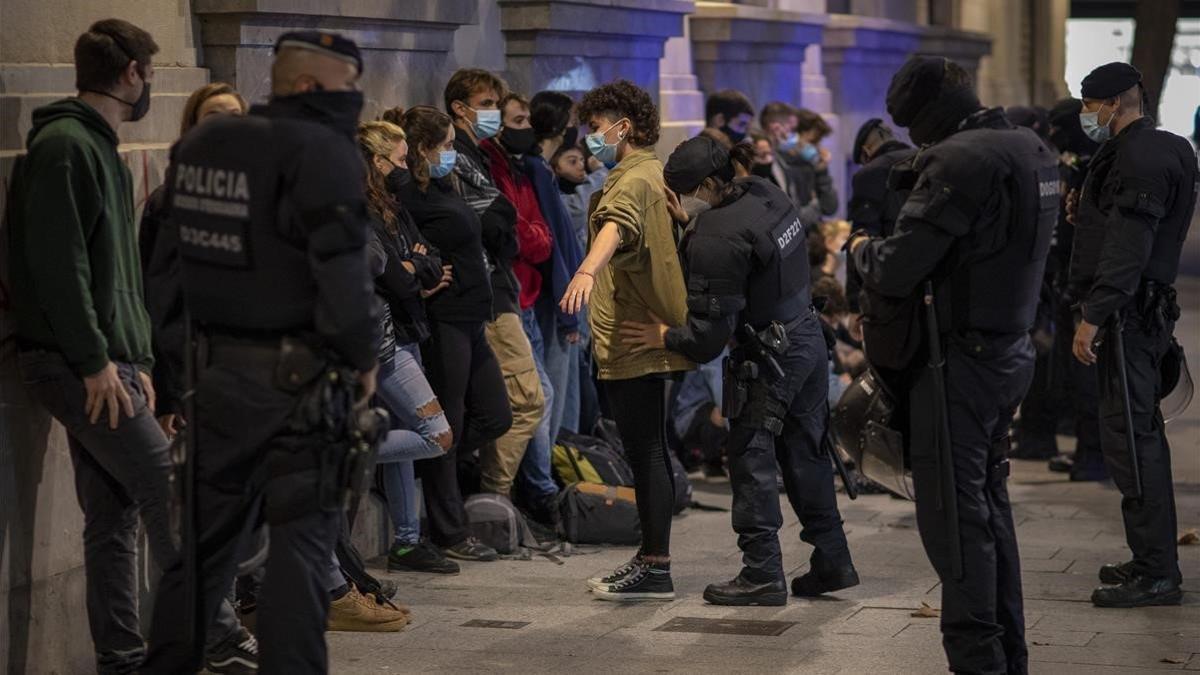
758 229
240 208
1011 184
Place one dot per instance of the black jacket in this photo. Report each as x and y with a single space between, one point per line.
978 221
450 224
498 220
1133 217
399 288
874 205
164 303
270 217
745 261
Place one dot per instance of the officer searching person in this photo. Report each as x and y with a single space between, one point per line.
975 229
272 226
1131 221
746 263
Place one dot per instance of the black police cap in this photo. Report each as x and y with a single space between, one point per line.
694 160
861 138
1109 80
332 45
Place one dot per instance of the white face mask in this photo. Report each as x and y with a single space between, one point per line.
1090 121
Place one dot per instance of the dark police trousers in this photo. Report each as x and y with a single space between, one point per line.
1150 526
983 622
241 417
755 454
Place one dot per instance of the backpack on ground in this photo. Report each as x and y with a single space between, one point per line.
578 458
606 430
493 520
599 514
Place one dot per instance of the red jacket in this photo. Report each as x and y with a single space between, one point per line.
533 234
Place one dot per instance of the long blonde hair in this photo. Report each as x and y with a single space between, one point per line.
379 139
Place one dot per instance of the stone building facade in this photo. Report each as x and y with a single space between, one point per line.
833 56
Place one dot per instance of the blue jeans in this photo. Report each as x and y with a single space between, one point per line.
560 358
534 474
421 431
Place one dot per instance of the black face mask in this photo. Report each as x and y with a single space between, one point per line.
336 109
761 170
568 186
735 136
518 141
397 179
570 137
139 107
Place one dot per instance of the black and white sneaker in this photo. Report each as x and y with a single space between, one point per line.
614 576
472 549
237 655
645 582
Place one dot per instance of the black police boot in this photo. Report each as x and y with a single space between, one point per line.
814 583
1116 573
741 592
1139 592
1083 472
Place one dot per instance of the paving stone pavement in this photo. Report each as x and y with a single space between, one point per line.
1065 530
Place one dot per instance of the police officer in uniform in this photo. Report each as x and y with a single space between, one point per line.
272 227
874 204
1131 221
747 273
977 225
1076 150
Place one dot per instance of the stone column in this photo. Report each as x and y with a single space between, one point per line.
1001 70
861 54
680 103
757 50
966 48
574 45
406 45
1048 57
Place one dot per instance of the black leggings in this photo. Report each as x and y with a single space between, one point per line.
639 409
463 372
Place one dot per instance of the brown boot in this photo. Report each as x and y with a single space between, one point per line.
354 612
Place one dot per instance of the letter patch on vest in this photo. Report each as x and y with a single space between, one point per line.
212 207
788 237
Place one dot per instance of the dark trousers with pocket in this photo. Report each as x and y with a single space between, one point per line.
756 457
464 373
120 474
241 440
983 621
1150 521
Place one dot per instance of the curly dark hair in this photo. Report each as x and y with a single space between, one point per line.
623 98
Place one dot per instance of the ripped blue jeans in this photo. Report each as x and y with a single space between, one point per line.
419 431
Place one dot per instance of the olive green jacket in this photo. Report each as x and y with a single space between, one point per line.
644 275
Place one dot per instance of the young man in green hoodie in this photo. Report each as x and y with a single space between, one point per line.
84 335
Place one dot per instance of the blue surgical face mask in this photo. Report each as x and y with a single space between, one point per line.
487 123
792 140
1090 121
603 151
809 153
446 160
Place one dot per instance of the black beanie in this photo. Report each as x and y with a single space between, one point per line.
923 100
